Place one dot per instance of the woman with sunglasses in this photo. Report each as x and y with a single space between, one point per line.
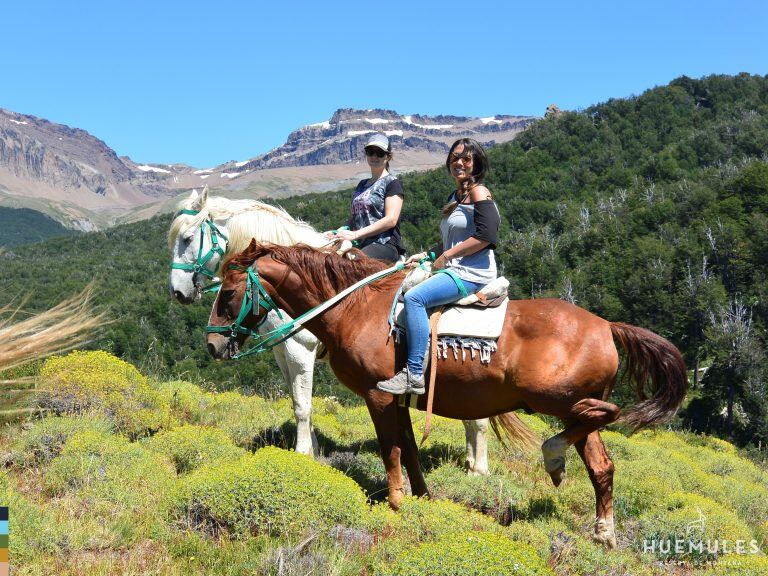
462 264
374 223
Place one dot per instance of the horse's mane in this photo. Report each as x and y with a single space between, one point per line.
324 274
246 219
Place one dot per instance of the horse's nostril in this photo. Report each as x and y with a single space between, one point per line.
211 349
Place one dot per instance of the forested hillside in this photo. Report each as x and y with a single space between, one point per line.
651 210
25 226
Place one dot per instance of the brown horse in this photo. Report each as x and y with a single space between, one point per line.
552 357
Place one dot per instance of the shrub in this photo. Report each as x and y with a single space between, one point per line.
190 447
640 484
86 381
248 420
342 428
189 403
44 440
468 554
494 495
422 519
273 491
365 468
103 468
739 565
694 520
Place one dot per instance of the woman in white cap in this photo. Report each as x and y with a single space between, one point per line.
374 222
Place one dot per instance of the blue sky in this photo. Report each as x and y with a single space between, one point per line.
205 82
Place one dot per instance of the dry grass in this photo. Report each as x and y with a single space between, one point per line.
69 324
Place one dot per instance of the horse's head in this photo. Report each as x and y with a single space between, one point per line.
241 305
197 246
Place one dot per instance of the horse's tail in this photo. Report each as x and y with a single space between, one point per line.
516 432
655 363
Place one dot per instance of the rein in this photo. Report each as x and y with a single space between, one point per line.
200 265
265 342
255 297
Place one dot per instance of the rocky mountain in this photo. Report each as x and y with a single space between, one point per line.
341 139
68 172
78 180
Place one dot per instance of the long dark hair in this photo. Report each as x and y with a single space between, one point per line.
480 167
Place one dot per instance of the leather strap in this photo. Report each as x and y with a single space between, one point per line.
433 321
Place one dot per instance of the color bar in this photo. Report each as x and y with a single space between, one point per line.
4 566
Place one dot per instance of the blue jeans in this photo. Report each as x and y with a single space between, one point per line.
434 291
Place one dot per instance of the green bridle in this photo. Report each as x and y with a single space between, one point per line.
200 265
255 297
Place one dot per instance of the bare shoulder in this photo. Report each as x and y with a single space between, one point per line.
480 192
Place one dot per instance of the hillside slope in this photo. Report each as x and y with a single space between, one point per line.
651 210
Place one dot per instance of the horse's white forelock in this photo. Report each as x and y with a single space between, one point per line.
246 219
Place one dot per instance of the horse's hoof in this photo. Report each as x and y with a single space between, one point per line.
554 458
605 534
557 476
608 540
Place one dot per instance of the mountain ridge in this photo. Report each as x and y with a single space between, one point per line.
77 179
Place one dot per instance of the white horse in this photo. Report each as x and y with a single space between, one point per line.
208 227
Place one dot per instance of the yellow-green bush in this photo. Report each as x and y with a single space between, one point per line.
102 468
365 468
422 519
342 427
495 494
468 554
45 439
189 403
246 419
641 484
273 491
190 447
738 565
691 519
86 381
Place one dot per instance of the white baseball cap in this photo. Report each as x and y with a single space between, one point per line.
378 140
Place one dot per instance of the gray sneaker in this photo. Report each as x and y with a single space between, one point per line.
402 382
415 384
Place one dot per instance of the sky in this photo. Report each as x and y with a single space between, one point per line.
207 82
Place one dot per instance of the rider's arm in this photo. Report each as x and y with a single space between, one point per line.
487 222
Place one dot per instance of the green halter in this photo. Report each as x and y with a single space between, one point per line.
264 342
200 265
254 298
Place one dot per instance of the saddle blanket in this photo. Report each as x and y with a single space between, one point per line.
483 323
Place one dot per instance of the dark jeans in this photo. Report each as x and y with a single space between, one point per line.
386 252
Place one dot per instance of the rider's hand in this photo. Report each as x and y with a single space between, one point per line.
440 263
329 234
345 235
415 259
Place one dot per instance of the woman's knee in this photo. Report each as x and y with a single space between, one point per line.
412 299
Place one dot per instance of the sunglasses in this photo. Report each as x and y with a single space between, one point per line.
378 152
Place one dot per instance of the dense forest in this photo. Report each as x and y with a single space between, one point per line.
25 226
651 210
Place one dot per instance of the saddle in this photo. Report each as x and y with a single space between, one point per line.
479 315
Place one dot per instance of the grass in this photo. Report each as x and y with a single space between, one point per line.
196 487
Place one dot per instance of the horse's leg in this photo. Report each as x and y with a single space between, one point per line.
384 413
476 432
301 366
589 415
600 469
411 453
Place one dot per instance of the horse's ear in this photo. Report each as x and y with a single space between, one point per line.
252 246
193 198
204 196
